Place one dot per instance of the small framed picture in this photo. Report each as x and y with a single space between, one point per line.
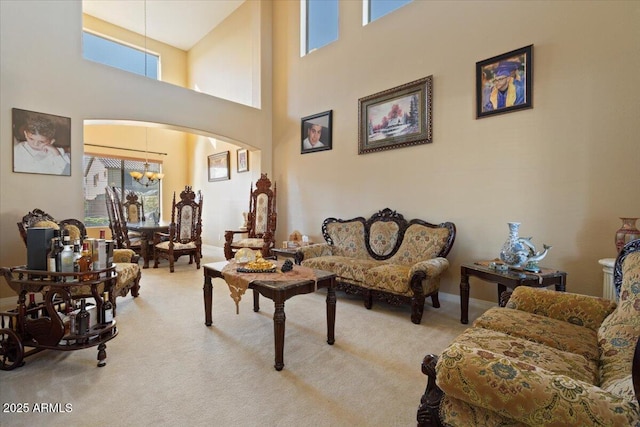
243 160
504 83
41 143
315 132
219 167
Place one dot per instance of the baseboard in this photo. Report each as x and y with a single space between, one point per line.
485 305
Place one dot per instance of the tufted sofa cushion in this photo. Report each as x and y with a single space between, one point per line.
541 329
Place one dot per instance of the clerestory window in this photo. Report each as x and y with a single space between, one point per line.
318 24
119 55
374 9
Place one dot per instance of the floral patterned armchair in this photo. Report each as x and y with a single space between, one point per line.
546 359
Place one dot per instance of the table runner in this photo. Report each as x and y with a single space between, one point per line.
239 282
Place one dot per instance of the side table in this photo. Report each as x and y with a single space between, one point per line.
284 252
506 279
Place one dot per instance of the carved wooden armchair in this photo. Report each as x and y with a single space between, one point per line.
39 218
133 208
261 221
117 223
184 237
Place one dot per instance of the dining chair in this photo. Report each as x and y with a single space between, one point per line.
133 208
185 229
118 224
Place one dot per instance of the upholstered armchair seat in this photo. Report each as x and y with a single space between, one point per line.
547 359
384 257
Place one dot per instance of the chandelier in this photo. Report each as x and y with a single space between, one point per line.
146 177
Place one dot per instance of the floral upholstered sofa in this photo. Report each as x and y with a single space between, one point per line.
546 359
384 257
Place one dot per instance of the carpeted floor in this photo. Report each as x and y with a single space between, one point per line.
167 368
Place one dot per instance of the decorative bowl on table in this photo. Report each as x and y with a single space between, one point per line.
259 265
244 255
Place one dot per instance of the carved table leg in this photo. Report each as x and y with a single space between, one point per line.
464 297
102 355
208 300
278 332
256 301
331 314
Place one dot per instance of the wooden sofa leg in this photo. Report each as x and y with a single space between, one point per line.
429 409
135 289
368 300
434 300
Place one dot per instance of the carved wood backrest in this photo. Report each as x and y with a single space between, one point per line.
134 208
117 218
186 217
39 218
262 216
36 216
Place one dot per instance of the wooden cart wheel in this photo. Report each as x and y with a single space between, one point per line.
11 350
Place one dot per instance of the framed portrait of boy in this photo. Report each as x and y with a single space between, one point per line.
41 143
504 83
315 132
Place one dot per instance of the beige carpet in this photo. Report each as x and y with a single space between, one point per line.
167 368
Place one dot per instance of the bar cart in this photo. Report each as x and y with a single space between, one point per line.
44 326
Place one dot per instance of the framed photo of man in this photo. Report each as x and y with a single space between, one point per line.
504 83
41 143
316 132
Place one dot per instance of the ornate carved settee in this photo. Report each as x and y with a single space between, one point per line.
384 257
546 359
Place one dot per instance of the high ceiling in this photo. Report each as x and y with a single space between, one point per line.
179 23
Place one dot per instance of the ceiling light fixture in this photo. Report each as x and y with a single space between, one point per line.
146 177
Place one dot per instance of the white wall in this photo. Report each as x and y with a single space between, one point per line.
567 169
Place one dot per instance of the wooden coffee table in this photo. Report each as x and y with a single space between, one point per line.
278 292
